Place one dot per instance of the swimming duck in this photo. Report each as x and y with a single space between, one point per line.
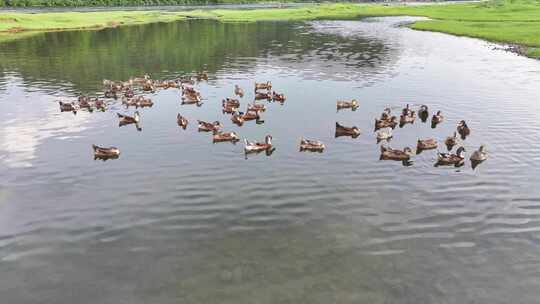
346 131
181 121
251 115
447 159
391 123
406 111
386 114
423 113
185 80
125 120
463 129
451 141
105 153
84 103
140 80
238 118
437 118
129 102
259 96
426 144
278 97
209 126
479 155
225 136
255 147
111 94
311 145
202 76
405 119
263 86
388 153
257 107
129 94
144 102
68 107
229 102
229 109
385 134
100 105
238 91
353 105
149 87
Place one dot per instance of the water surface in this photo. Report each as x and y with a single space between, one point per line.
177 219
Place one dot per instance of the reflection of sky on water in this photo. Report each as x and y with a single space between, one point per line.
24 124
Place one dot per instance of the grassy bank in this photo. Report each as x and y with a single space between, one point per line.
515 22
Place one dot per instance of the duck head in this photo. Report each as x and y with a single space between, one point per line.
268 139
460 151
407 150
136 116
354 103
462 124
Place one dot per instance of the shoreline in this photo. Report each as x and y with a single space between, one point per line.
488 21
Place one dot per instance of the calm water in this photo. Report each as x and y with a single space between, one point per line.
178 219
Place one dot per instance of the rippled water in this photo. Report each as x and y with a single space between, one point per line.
178 219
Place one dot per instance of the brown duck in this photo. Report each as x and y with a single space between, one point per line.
449 159
393 154
181 121
209 126
381 124
105 153
238 91
311 145
353 105
278 97
225 136
263 86
346 131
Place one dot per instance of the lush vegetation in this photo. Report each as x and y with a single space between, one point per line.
27 3
509 21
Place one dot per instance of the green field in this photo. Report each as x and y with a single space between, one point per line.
514 22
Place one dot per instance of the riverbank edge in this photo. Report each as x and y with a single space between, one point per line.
19 25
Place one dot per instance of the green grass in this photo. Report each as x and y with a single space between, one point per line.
515 22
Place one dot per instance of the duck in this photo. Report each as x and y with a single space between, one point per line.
100 105
225 136
182 121
479 155
255 147
111 94
426 144
141 102
148 87
385 115
463 129
259 96
140 80
68 107
229 109
238 118
209 126
406 111
129 94
257 107
105 153
385 134
391 123
125 120
263 86
129 102
407 118
353 104
346 131
423 113
448 159
238 91
311 145
451 141
278 97
84 103
437 118
388 153
251 115
230 102
202 76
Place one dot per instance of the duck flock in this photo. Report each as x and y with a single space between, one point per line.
131 95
